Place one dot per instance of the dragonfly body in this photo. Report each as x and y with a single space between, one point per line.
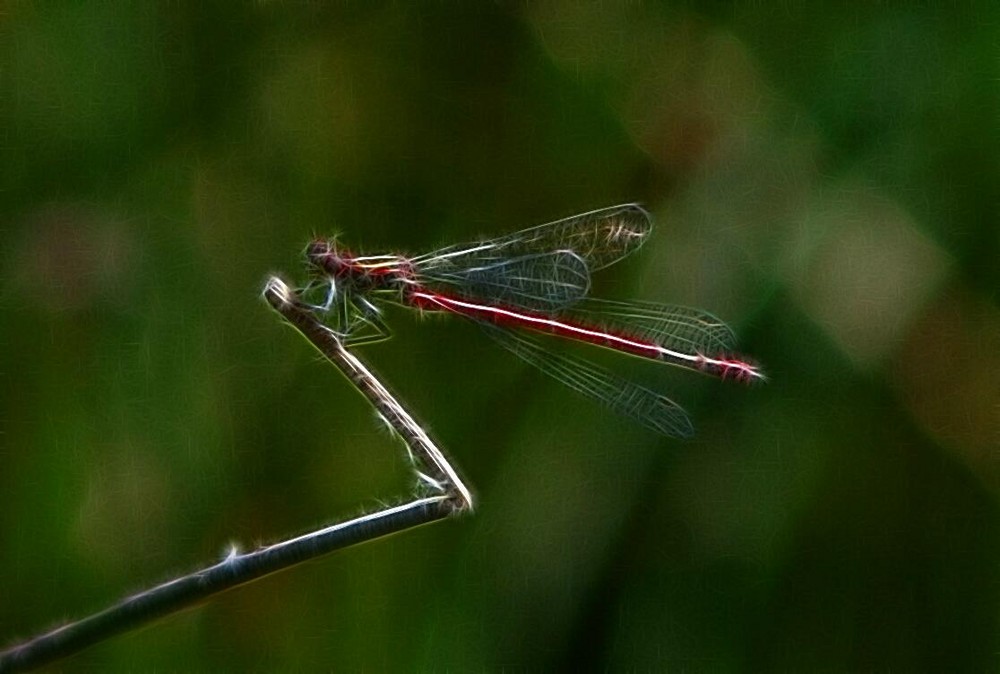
538 280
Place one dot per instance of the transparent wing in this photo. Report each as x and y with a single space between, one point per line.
544 282
599 238
652 410
679 328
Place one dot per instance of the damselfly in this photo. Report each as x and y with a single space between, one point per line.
537 280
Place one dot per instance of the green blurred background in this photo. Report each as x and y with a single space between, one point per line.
824 179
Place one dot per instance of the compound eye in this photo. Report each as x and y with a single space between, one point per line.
320 254
317 249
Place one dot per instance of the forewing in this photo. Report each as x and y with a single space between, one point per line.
599 238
